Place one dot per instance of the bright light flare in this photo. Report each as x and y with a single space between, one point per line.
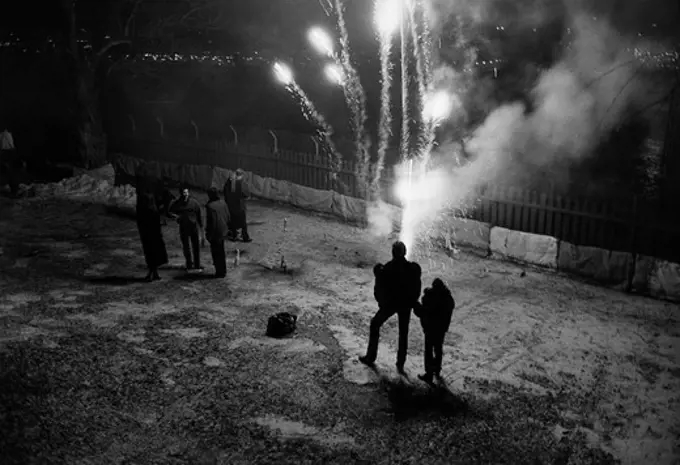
388 16
437 106
284 74
334 74
321 41
408 191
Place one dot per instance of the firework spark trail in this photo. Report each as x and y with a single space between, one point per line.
355 95
325 131
427 49
423 54
417 50
312 114
385 127
405 113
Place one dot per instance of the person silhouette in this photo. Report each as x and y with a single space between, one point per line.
435 317
397 290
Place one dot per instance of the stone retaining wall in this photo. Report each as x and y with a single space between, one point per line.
647 275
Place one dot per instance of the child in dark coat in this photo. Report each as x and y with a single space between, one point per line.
435 316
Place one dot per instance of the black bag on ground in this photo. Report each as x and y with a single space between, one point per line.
281 324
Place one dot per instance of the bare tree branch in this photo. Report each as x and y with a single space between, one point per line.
130 18
106 49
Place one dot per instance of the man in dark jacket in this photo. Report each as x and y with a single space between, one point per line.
187 211
435 317
397 290
164 198
216 230
236 192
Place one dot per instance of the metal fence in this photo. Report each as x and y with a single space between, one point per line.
626 224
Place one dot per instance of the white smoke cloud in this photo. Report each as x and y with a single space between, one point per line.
574 105
524 13
381 218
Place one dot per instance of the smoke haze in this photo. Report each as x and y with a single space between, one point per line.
572 107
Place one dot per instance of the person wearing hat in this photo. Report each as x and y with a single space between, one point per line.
216 230
236 192
397 290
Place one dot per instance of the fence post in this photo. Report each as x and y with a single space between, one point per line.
235 134
160 123
276 141
195 129
316 147
132 122
631 246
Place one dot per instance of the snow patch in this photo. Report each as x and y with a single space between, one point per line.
96 270
66 305
287 345
288 429
123 253
134 336
21 263
353 370
187 333
213 362
6 310
23 298
103 323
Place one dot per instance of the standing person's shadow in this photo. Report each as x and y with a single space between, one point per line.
205 276
410 398
117 280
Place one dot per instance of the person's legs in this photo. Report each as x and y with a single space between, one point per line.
428 355
244 228
381 316
402 352
233 228
222 259
438 348
196 247
219 258
186 249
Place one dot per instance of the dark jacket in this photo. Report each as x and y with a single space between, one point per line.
436 310
236 200
397 284
149 225
216 220
189 212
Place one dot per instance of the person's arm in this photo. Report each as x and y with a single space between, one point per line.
209 223
227 212
417 283
172 208
199 216
245 190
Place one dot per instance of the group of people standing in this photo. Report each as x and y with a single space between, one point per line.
397 283
224 218
397 291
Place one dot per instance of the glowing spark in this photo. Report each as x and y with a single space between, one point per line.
284 74
387 16
437 107
321 41
408 223
385 122
334 74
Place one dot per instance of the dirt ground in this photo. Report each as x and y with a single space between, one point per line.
97 367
